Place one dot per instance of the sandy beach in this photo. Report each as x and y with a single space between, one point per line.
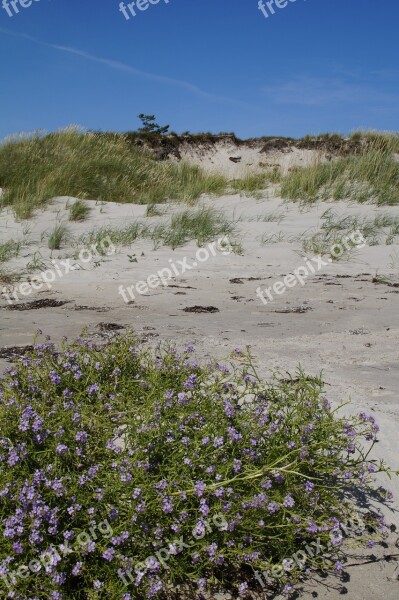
199 300
338 323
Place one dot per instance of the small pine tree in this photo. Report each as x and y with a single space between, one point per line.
149 125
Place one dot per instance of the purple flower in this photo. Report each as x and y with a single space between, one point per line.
17 548
204 510
309 486
27 416
199 530
91 546
109 554
92 389
202 583
279 477
61 449
242 588
199 488
289 501
219 493
228 408
13 457
189 384
152 564
54 377
182 398
77 568
92 471
136 493
155 588
273 507
287 589
312 527
236 465
81 436
287 564
266 485
74 508
167 505
113 513
233 435
162 485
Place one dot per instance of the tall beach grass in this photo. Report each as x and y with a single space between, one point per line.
34 169
369 175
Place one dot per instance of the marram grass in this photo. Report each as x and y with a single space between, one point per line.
368 176
34 169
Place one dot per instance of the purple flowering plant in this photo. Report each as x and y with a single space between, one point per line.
155 444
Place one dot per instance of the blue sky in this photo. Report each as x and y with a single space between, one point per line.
201 65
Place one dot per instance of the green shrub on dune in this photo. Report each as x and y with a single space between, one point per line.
133 474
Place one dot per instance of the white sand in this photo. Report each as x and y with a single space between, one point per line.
351 333
216 158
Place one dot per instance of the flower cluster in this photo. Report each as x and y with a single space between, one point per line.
154 444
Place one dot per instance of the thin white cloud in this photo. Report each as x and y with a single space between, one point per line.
364 76
320 91
114 64
387 74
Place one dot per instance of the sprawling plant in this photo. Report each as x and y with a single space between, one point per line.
131 473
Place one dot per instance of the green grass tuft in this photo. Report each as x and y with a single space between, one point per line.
153 210
79 211
58 236
202 225
122 236
9 250
256 181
